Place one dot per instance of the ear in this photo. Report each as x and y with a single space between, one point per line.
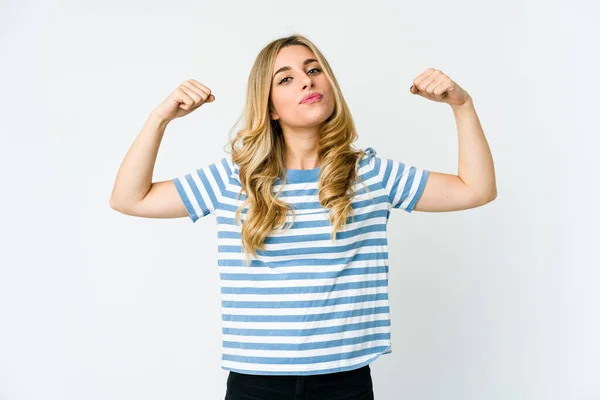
274 115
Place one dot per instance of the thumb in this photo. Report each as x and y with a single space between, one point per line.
210 99
413 90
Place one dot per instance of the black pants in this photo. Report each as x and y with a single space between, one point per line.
347 385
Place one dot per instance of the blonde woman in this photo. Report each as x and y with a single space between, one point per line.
301 218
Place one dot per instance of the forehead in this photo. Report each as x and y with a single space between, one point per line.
292 55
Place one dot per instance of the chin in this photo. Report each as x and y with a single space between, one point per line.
317 119
314 122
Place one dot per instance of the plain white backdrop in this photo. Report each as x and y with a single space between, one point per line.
495 303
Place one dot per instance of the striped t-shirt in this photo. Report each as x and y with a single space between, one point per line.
305 305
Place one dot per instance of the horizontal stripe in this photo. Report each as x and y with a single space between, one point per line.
302 311
306 303
307 339
291 262
305 317
303 360
306 346
303 275
306 332
314 353
285 297
316 324
305 289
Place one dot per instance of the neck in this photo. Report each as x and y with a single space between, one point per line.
302 148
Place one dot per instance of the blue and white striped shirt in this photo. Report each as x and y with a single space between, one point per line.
305 305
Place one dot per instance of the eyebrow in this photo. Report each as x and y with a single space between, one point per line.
286 68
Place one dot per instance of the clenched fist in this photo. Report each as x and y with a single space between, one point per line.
186 98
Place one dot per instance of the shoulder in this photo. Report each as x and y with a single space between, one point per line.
228 164
219 172
369 153
232 169
369 156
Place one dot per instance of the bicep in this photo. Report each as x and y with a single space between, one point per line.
161 201
446 192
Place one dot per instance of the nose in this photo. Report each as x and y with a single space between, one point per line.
308 82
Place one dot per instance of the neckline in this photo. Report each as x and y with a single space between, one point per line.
302 170
302 175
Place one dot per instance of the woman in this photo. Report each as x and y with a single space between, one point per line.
302 220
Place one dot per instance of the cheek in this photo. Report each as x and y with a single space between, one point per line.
330 103
284 103
278 97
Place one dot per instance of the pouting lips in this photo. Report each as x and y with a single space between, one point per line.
312 98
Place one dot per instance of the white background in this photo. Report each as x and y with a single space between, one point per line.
497 302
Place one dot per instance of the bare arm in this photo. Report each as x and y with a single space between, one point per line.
133 192
475 184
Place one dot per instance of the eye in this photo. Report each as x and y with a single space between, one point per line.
288 77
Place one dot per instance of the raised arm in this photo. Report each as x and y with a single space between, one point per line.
475 184
134 193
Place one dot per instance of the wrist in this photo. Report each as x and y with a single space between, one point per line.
467 104
157 118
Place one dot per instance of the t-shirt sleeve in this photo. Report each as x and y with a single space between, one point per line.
403 183
201 190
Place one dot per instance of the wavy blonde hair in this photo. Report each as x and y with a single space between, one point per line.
258 149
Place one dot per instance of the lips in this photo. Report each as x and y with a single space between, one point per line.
311 98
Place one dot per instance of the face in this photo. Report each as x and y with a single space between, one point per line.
298 74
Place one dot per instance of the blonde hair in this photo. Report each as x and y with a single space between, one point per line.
258 149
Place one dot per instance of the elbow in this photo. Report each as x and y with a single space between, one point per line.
115 205
494 193
489 197
483 197
124 207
